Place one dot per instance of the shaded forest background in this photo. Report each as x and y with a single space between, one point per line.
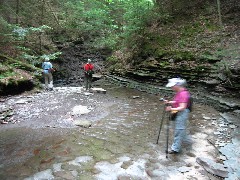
148 41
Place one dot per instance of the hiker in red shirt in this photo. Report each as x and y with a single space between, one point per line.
88 72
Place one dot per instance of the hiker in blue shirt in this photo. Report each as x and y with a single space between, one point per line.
47 74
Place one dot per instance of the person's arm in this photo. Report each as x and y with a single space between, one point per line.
84 67
181 107
169 102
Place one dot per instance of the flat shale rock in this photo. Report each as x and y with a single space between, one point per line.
213 167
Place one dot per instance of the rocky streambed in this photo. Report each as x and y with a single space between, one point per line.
70 133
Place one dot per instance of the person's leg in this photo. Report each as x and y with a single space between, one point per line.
90 82
46 80
187 139
50 81
86 82
180 129
179 135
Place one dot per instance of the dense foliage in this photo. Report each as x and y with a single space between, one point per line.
28 28
109 23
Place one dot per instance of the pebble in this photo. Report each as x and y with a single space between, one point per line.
184 169
221 157
206 118
232 126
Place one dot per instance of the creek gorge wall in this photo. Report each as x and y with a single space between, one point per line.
208 76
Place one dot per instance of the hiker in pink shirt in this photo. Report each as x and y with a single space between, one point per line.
179 106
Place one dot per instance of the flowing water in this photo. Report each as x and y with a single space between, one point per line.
44 143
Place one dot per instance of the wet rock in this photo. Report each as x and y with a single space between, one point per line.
83 123
221 89
124 177
184 169
64 175
212 82
4 108
217 133
50 126
80 160
232 126
57 167
22 101
206 118
47 160
6 112
97 76
98 90
221 143
190 154
157 173
79 110
221 157
70 167
153 160
4 122
2 100
126 164
47 174
230 118
232 154
237 112
212 167
87 93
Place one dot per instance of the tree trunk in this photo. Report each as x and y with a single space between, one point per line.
17 12
41 23
219 13
51 10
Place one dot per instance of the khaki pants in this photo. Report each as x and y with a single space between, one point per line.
48 80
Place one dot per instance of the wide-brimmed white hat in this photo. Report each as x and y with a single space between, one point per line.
89 60
176 81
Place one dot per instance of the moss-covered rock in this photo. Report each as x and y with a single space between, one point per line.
17 76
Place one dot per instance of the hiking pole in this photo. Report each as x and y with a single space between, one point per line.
161 123
168 120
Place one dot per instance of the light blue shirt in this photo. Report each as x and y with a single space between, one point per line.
46 66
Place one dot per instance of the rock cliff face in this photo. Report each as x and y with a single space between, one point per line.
70 64
206 74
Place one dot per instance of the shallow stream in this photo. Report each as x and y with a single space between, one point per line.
44 142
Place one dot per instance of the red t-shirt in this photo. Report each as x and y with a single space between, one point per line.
88 66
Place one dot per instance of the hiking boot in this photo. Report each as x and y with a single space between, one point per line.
172 152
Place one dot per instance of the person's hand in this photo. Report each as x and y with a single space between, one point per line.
168 108
166 101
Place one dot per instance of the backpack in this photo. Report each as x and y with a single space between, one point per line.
51 70
190 103
89 72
